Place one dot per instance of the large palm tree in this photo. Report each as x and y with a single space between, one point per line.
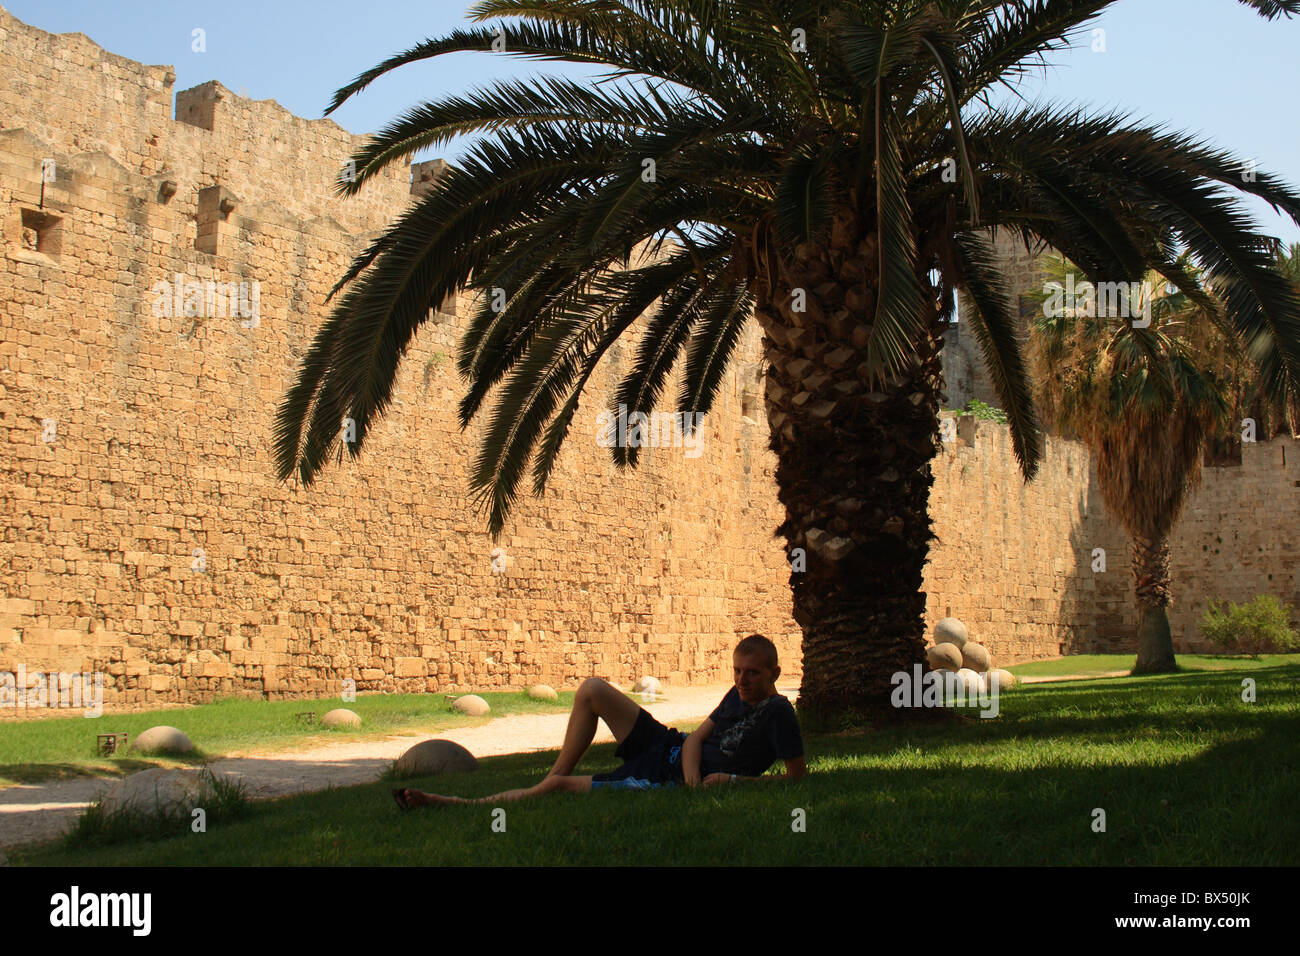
1145 380
831 168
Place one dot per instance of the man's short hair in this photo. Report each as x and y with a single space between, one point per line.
759 645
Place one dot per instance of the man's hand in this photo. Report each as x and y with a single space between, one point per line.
713 779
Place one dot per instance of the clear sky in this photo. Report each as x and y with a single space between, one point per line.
1207 66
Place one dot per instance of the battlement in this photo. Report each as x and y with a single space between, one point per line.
75 98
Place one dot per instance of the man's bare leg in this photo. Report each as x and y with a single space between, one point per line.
418 798
594 699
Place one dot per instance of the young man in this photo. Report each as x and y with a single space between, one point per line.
753 727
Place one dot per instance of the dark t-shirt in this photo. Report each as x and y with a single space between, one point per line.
746 739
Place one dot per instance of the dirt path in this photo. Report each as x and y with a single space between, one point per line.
34 813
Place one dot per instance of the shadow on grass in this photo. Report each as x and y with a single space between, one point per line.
1192 784
107 767
1214 809
218 801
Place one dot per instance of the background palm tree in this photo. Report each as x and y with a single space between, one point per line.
1146 400
831 168
1288 261
1251 402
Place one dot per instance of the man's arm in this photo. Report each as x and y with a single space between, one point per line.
692 750
796 768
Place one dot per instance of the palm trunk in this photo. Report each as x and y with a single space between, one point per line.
1155 653
854 476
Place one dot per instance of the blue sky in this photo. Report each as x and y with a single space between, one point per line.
1206 66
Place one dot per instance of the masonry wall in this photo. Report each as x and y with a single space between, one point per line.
1239 537
1012 560
148 536
144 533
1015 561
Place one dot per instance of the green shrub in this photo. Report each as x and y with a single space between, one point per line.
985 412
1262 626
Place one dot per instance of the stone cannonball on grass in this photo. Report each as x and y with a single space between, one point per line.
543 692
970 681
976 657
471 704
341 717
436 756
944 657
158 790
1006 680
948 681
163 739
950 631
648 685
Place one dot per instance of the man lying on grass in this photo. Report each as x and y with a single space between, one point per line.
752 727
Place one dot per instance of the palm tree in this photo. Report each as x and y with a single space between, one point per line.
1145 384
832 168
1273 415
1252 404
1288 261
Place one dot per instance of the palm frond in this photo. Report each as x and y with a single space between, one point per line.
995 323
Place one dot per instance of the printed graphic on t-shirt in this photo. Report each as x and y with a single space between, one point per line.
729 740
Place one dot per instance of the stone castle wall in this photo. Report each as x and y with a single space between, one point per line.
1015 561
144 533
381 572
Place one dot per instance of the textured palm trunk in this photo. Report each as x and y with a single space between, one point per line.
1151 583
854 477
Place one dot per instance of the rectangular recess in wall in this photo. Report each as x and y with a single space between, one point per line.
215 205
1222 453
42 232
446 310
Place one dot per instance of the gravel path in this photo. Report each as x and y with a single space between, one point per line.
35 813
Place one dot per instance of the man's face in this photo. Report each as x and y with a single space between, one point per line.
754 681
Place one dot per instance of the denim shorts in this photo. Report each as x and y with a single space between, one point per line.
651 755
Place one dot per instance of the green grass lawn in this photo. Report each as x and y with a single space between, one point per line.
1108 663
53 747
1186 772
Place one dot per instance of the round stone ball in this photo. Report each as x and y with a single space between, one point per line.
157 790
167 740
970 681
543 692
976 657
648 685
1005 679
950 631
436 756
342 717
944 657
471 704
948 681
